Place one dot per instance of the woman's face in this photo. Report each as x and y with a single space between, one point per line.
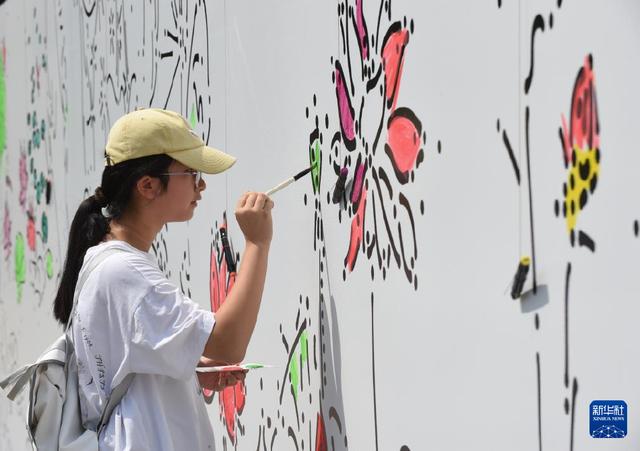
180 199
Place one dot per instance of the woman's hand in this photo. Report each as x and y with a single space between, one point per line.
253 213
218 381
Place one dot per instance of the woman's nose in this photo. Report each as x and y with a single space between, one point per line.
202 185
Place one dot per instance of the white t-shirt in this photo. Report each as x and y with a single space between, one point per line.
131 319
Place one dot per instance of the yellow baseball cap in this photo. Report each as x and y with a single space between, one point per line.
153 131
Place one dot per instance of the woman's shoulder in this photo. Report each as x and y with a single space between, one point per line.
124 262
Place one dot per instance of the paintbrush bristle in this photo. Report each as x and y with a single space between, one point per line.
302 173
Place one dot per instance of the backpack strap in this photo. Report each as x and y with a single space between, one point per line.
102 256
116 396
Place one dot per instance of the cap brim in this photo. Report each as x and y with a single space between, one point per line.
205 159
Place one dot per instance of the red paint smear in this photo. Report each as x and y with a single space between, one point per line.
403 141
31 233
321 435
361 30
584 127
393 59
232 399
357 226
345 110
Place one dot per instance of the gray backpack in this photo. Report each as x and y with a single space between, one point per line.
54 421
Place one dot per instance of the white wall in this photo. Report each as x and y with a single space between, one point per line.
449 362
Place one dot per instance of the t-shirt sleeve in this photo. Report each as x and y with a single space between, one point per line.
169 333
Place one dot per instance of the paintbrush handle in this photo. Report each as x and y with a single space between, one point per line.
282 185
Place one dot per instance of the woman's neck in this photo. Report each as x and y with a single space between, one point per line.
137 234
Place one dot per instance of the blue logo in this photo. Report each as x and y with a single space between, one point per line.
608 419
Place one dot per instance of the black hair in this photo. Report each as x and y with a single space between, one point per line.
90 226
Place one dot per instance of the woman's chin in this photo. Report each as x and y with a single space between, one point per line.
184 217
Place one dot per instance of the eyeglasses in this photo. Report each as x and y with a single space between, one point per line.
197 176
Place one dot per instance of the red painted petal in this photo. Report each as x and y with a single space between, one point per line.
240 396
393 47
358 182
585 129
361 31
403 142
345 110
357 227
227 403
321 435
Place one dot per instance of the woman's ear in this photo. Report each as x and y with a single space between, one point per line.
149 187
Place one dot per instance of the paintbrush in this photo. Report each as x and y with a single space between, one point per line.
289 181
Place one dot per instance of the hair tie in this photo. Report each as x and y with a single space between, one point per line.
100 198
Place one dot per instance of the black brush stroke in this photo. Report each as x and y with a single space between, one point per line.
564 150
206 27
539 403
373 370
333 415
405 203
512 156
172 81
538 23
193 30
375 141
384 217
173 37
259 436
87 12
378 26
174 14
292 434
586 241
360 116
348 51
303 327
383 176
566 324
373 82
374 239
407 271
574 394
